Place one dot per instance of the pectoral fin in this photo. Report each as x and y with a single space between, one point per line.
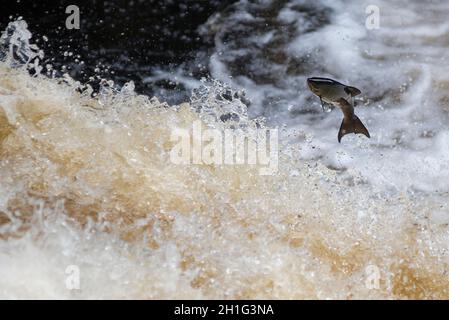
353 91
326 106
352 125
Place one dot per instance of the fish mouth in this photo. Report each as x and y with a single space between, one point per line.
311 84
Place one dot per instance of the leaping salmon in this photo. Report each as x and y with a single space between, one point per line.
338 94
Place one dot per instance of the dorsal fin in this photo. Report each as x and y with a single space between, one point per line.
353 91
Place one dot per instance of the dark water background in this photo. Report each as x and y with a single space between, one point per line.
122 40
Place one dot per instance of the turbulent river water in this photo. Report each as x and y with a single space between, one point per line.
87 183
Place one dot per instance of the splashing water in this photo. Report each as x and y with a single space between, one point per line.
270 48
87 181
16 40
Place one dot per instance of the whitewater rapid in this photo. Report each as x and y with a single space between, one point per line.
87 181
270 48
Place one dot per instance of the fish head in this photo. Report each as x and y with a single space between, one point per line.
329 90
319 86
313 86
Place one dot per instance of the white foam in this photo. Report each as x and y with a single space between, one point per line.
399 68
138 226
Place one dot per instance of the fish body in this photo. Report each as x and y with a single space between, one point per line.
339 95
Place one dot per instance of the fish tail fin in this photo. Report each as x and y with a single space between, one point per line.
353 125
